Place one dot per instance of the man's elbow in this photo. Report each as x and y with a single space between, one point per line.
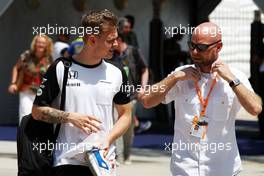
256 110
146 103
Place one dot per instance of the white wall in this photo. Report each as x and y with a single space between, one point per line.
235 17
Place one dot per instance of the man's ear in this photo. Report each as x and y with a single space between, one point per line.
90 39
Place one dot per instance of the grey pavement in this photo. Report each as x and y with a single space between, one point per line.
144 163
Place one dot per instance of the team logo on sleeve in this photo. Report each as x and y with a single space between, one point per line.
72 74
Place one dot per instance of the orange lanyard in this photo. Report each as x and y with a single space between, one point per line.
205 101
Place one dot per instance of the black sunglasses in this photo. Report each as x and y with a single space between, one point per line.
201 47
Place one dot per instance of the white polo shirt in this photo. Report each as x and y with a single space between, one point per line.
217 154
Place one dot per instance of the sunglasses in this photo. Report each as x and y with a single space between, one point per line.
201 47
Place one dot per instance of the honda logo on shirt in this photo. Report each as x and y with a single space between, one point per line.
73 74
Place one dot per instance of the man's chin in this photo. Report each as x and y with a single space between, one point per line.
202 64
109 56
198 64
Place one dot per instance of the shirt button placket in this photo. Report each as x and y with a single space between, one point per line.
199 160
202 171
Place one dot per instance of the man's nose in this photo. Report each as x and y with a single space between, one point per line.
115 44
195 51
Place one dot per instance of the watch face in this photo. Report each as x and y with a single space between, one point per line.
236 81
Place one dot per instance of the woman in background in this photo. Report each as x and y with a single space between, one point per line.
28 72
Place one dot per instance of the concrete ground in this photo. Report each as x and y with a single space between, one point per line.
144 162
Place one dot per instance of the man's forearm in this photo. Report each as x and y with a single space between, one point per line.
119 128
157 92
50 115
14 74
248 99
122 124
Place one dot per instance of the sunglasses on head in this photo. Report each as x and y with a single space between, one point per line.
201 47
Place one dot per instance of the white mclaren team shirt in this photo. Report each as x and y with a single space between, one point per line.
90 90
217 154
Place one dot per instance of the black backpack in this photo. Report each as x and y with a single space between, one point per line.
33 135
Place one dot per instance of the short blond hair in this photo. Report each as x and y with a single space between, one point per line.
104 19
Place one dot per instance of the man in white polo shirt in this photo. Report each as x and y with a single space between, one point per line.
93 87
207 97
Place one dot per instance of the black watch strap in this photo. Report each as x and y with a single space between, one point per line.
234 82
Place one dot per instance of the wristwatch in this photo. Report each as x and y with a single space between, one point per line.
234 82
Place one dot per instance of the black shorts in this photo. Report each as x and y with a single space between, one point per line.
71 170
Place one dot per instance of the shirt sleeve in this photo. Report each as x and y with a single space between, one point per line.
171 95
175 90
49 88
123 96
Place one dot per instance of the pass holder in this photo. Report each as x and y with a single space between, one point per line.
200 123
199 126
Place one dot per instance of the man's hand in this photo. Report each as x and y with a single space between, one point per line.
247 98
87 124
189 73
223 71
106 147
12 88
152 98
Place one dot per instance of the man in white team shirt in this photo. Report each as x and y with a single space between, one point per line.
92 87
207 97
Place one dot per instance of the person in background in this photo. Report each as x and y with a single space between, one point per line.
174 56
125 28
76 46
131 60
27 73
61 46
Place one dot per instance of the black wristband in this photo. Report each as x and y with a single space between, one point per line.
234 83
